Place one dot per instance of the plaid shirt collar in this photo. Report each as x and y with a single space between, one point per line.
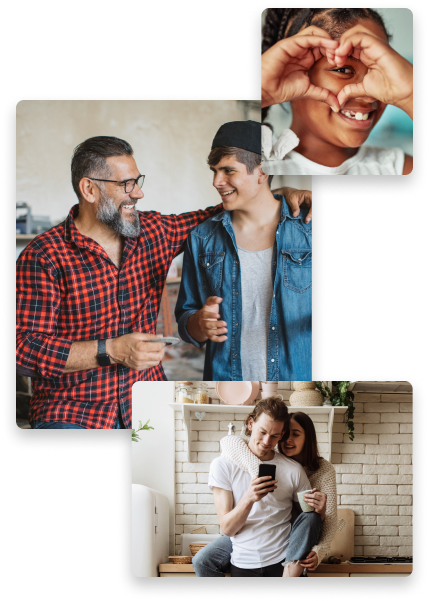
72 234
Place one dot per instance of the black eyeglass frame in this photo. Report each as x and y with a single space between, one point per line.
124 183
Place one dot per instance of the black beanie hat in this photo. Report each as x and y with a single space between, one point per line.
240 134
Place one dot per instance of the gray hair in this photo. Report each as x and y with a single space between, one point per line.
89 158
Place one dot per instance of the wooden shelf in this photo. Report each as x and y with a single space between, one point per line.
187 409
342 568
25 237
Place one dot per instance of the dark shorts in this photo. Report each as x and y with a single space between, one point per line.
275 570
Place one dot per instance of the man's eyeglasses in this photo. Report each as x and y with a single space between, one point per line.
128 184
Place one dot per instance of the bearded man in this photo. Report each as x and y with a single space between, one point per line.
89 290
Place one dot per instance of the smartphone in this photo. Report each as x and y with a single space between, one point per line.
168 340
267 469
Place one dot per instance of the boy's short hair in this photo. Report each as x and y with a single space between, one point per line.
246 157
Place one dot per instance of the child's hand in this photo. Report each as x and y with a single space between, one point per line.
390 75
285 68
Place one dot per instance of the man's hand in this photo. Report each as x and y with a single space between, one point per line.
132 350
310 562
297 198
205 324
258 489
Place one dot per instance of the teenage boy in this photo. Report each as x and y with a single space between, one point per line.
246 280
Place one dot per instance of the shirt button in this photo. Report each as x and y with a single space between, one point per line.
273 328
236 324
235 292
272 360
274 296
208 264
235 354
236 262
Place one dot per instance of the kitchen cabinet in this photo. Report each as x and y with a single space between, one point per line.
188 411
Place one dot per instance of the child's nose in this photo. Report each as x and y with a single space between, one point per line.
367 99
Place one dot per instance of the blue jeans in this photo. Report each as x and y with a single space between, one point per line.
214 559
119 424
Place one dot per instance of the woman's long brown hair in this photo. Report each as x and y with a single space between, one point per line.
310 453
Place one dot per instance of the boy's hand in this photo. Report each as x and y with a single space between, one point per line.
205 324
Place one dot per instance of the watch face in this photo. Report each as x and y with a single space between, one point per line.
103 360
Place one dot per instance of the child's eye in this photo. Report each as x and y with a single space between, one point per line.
345 70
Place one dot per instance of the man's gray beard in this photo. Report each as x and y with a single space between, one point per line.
108 214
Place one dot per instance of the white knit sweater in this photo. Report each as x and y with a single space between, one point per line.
236 450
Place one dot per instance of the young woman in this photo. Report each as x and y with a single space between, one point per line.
338 71
299 444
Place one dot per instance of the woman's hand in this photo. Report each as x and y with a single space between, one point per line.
285 68
310 562
390 75
317 499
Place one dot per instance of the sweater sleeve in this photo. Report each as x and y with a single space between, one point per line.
236 450
325 480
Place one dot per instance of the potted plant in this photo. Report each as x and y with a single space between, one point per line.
134 436
340 396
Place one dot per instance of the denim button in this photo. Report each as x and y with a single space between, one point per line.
272 360
235 354
236 324
273 328
235 292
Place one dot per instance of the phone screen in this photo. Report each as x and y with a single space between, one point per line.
267 469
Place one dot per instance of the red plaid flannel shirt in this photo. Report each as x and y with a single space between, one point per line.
68 289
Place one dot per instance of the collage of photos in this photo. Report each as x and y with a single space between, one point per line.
164 260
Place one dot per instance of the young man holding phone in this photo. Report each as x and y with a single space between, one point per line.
257 516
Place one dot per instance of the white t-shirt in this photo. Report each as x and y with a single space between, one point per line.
281 159
264 538
257 296
369 160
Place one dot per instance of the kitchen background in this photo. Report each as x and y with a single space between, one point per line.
374 472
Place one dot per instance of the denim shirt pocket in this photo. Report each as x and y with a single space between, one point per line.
297 269
211 265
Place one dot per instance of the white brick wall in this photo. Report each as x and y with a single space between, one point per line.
374 472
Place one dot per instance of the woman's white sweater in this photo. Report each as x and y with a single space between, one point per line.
236 450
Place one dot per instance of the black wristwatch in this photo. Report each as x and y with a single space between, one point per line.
102 357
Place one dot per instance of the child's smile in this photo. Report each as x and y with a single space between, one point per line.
317 125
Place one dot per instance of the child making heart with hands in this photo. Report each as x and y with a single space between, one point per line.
339 72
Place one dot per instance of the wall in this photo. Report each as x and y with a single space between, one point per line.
374 473
171 141
153 455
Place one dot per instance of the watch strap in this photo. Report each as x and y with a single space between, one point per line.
102 357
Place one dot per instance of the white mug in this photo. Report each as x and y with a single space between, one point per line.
270 386
267 395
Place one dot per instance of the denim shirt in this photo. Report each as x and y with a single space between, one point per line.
211 267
